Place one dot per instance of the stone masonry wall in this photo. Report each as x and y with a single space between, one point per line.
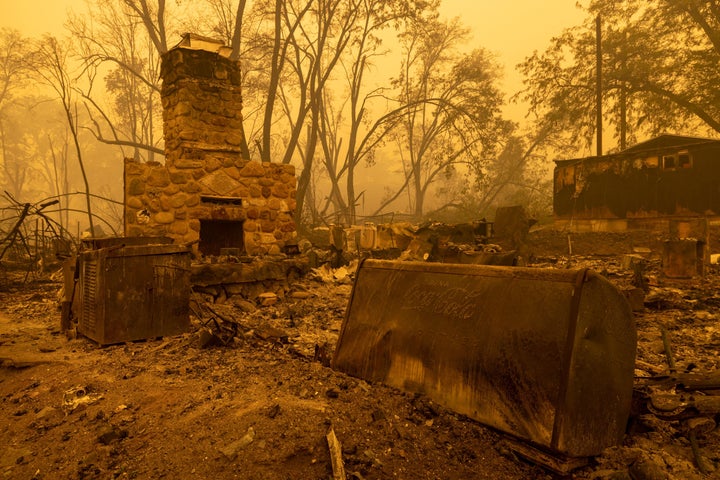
202 105
203 157
167 201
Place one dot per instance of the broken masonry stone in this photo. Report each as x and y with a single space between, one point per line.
267 299
243 305
646 469
231 451
111 434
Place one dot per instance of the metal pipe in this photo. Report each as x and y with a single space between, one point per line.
668 349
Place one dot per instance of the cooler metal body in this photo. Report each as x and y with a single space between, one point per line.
545 355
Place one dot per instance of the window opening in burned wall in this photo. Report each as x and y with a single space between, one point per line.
678 160
684 160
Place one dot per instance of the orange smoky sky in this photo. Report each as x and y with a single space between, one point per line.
512 30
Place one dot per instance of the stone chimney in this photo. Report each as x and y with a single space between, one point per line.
202 104
208 191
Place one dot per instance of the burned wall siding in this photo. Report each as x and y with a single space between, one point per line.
208 192
673 182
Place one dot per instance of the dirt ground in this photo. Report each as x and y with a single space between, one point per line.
261 406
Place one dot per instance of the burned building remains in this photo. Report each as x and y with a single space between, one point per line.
648 185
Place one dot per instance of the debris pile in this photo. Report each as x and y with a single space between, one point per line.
167 403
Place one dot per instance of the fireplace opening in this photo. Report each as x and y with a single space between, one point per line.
220 234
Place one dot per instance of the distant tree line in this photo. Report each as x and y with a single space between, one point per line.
334 86
660 73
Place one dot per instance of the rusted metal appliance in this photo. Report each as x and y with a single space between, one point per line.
134 292
544 355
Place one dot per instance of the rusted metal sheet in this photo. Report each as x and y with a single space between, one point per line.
544 355
134 292
683 258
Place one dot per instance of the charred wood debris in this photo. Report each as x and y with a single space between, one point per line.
30 238
676 379
677 383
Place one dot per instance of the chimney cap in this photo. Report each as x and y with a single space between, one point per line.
193 41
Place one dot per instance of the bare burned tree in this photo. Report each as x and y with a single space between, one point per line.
456 120
349 132
13 71
320 55
660 72
50 66
153 16
13 63
228 23
118 39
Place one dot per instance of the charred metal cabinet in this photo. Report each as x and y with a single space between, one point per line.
134 292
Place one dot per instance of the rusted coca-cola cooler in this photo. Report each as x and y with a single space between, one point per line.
132 291
544 355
